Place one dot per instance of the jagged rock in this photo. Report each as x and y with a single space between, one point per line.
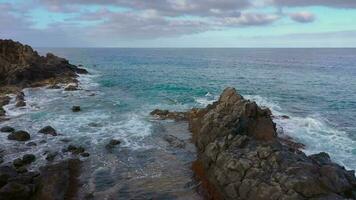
165 114
174 141
76 108
241 156
19 136
21 66
48 130
7 129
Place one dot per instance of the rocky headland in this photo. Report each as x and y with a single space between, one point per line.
22 67
241 156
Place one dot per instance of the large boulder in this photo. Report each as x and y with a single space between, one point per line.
48 130
19 136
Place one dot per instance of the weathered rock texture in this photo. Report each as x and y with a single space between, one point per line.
54 182
241 157
21 66
244 159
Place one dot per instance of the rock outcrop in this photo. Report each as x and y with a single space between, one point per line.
20 65
57 181
240 156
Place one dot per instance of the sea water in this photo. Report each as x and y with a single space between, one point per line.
316 88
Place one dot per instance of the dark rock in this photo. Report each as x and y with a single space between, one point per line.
51 156
48 130
7 129
28 158
20 104
174 141
30 144
21 66
6 172
54 86
165 114
93 124
18 162
112 143
19 136
241 156
76 108
75 150
85 154
58 181
15 191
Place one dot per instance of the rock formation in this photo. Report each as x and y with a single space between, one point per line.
21 66
241 157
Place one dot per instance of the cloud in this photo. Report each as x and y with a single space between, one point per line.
302 17
249 19
305 3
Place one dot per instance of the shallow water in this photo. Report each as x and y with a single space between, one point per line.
315 87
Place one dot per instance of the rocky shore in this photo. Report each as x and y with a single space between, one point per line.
240 156
22 67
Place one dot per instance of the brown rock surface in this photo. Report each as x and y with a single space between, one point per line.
241 157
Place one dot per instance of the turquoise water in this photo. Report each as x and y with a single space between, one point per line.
315 87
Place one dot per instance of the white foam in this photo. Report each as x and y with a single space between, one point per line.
315 132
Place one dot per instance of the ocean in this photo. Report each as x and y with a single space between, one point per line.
316 88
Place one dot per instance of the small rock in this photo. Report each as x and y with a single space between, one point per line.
43 141
19 136
76 108
65 140
51 156
54 86
21 170
85 154
75 150
285 117
93 124
31 144
20 103
112 144
7 129
48 130
18 162
28 158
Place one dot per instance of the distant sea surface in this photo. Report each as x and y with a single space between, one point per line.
316 88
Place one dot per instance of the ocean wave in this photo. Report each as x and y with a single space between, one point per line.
314 132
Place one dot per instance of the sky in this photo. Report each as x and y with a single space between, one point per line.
179 23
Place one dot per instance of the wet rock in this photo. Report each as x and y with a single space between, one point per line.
2 111
48 130
19 136
75 149
85 154
58 181
54 86
165 114
31 144
112 143
20 100
76 108
174 141
65 140
18 162
71 87
7 129
28 158
20 104
93 124
15 191
242 158
51 156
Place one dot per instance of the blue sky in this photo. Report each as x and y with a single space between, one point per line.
180 23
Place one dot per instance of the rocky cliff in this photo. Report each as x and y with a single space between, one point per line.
241 157
21 66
